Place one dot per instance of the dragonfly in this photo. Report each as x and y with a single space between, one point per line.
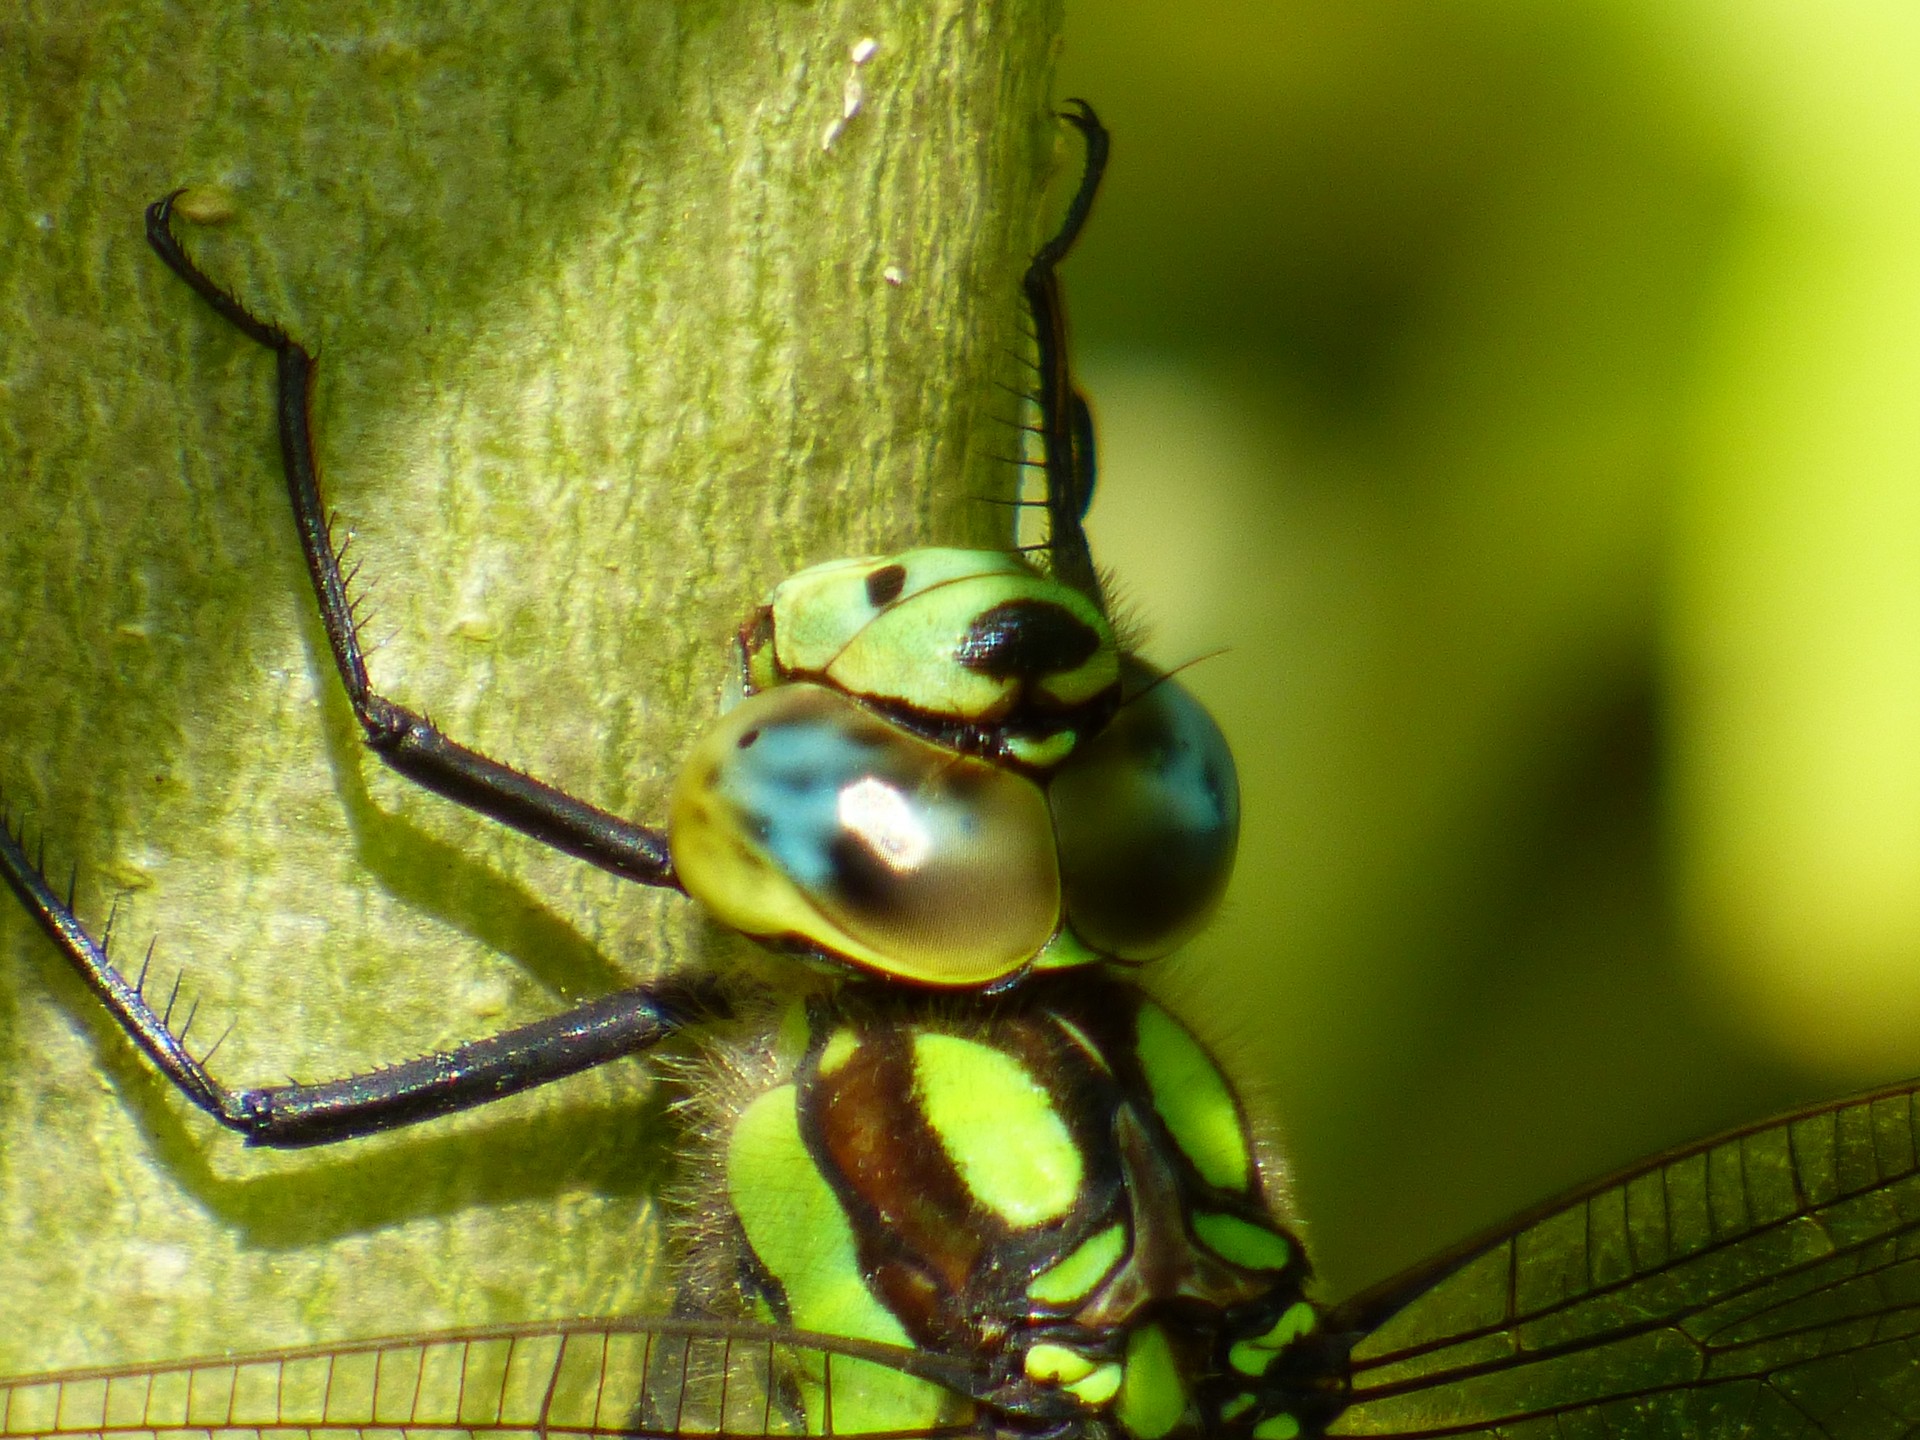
950 791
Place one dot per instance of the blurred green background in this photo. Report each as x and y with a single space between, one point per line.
1526 400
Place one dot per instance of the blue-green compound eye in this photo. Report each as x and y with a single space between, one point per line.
1147 816
805 817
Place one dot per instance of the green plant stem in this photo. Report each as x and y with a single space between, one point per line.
612 335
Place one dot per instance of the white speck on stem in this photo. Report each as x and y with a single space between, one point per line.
852 94
894 275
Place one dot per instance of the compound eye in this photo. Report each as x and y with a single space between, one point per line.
1147 815
803 816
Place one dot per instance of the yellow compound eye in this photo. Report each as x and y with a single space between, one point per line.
803 816
1148 818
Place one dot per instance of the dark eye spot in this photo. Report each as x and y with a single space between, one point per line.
747 739
1025 639
885 584
861 880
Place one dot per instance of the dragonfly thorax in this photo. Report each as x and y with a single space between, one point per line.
1057 1187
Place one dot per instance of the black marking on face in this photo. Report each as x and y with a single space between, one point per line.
1026 640
885 584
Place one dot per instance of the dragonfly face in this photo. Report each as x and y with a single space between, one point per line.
962 1205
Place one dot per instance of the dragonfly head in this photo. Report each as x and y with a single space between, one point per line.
946 773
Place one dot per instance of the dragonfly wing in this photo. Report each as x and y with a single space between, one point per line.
661 1378
1764 1284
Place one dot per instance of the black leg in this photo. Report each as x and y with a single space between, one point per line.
294 1116
1066 424
406 741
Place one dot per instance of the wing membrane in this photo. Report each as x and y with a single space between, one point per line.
1766 1283
676 1380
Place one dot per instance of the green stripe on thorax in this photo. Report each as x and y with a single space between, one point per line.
999 1127
1193 1099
